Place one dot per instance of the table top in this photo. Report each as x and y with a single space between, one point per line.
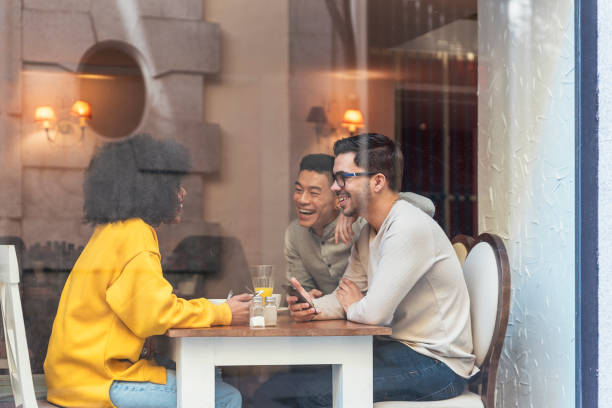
286 327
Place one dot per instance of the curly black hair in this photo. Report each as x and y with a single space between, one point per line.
135 178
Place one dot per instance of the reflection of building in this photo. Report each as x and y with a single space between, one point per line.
103 54
134 65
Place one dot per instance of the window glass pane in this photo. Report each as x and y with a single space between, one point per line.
234 94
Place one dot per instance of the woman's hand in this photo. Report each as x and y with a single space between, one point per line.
344 229
348 293
239 305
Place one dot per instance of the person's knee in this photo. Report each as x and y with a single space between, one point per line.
233 399
227 396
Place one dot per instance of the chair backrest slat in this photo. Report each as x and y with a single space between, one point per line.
9 269
14 330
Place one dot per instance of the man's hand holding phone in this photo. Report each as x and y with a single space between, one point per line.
301 305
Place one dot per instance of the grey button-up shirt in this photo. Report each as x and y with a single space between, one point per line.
317 261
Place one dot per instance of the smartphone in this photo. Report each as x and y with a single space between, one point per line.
296 289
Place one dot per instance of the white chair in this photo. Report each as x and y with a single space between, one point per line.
487 275
14 332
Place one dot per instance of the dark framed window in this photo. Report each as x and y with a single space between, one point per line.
587 337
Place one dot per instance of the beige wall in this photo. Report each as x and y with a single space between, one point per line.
249 101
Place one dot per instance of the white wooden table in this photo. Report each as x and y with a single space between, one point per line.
345 345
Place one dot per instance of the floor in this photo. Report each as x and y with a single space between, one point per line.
6 393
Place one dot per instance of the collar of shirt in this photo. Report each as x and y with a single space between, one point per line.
328 230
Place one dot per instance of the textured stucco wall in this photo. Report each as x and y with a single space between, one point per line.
604 13
526 188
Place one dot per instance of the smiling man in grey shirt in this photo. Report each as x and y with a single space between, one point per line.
316 247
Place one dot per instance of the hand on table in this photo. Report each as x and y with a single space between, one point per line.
344 229
302 312
315 293
239 305
348 293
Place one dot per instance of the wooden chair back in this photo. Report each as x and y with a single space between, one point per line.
487 275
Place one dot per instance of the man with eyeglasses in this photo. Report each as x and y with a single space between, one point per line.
402 273
315 256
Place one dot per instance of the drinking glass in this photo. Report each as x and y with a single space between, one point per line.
263 279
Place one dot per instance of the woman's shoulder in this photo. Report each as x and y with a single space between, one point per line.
133 232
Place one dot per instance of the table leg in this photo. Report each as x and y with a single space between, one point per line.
196 358
195 373
352 380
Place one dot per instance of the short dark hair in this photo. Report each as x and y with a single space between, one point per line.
321 163
376 153
135 178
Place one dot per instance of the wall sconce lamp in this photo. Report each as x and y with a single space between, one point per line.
45 115
318 117
353 119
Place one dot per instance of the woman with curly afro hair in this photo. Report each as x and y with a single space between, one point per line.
116 295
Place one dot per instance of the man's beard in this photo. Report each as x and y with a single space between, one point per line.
350 213
359 204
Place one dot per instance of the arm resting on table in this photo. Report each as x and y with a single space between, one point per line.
144 301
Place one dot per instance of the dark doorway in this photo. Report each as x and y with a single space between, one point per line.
437 128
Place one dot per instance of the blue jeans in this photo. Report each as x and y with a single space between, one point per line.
127 394
400 374
283 389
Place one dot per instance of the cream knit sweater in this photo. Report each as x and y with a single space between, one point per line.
413 282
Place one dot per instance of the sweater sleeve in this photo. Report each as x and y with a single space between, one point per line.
355 271
406 254
144 301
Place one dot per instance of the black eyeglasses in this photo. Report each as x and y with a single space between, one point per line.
341 176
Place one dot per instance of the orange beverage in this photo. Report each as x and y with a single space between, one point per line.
266 291
263 279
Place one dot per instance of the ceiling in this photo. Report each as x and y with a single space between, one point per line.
392 23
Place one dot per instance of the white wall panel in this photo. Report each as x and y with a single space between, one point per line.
526 188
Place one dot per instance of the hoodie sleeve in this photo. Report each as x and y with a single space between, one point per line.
144 301
356 272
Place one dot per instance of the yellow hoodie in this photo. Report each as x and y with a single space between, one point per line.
114 298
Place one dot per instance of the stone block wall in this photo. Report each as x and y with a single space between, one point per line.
41 197
175 50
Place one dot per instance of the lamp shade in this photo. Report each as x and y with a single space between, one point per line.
81 109
316 115
44 114
353 119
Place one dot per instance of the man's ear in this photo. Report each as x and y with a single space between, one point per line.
378 182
